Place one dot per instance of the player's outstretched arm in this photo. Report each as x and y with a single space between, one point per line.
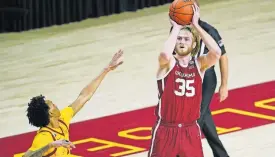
169 46
40 152
214 53
87 92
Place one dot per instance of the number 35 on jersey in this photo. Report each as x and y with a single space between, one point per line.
185 88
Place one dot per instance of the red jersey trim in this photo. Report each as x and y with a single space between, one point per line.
198 68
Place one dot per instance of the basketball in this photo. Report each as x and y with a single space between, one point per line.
181 11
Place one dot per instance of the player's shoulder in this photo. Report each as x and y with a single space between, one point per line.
67 114
164 72
67 110
42 135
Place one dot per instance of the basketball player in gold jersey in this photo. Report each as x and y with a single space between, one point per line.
52 139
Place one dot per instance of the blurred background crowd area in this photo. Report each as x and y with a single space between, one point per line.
23 15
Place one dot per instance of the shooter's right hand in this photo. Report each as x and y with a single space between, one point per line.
174 24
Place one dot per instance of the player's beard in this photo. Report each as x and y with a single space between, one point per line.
183 51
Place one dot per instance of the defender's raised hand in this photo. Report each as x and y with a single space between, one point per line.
116 60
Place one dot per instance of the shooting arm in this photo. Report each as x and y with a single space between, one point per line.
169 46
214 50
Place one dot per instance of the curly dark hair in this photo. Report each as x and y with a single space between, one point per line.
38 112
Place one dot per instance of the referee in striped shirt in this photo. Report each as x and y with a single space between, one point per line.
208 89
206 122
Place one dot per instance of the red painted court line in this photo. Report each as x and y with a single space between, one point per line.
238 112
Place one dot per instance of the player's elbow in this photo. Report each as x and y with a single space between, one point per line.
217 52
164 58
82 99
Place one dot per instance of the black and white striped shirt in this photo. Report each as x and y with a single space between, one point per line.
215 35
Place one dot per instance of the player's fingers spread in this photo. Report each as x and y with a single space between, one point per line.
118 57
116 54
193 8
222 98
196 5
198 8
114 58
121 62
72 145
118 64
69 145
120 53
